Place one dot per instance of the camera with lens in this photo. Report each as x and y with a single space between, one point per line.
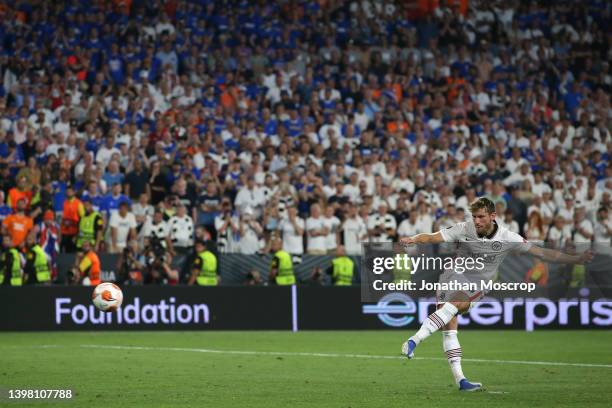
156 251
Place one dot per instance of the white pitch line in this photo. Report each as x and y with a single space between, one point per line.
332 355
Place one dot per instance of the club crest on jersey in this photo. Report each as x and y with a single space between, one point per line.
496 246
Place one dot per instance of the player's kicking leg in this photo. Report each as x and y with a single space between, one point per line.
445 317
452 349
460 303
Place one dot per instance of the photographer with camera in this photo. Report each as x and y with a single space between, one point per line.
157 264
131 265
228 228
251 233
157 228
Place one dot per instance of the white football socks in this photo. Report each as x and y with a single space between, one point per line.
435 322
452 348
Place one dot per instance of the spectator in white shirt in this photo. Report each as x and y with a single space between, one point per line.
351 190
567 211
250 196
316 231
292 230
382 226
403 182
548 206
559 234
354 231
424 218
142 209
181 230
509 222
333 226
583 228
105 153
538 186
519 177
123 228
409 226
602 234
516 161
545 211
251 233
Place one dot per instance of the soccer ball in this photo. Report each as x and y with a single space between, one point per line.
107 297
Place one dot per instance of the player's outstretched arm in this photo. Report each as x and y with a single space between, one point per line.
434 238
552 255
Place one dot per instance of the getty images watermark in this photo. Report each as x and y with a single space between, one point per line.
399 265
475 269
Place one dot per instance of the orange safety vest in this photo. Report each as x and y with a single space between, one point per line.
71 216
90 265
15 195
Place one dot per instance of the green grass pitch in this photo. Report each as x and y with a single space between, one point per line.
311 369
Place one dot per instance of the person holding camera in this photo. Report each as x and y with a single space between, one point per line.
158 261
227 226
157 228
251 233
131 265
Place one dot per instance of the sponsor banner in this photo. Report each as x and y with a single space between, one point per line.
399 310
147 308
277 308
341 309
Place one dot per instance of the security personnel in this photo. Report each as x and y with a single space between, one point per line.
12 273
88 268
72 213
38 267
204 270
91 225
281 270
342 268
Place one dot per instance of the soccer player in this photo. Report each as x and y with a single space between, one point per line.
480 237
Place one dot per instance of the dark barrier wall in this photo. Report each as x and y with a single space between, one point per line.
276 308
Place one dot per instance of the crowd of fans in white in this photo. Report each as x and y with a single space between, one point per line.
323 125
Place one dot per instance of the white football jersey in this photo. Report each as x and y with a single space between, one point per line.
492 248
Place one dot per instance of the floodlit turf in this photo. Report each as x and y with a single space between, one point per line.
161 369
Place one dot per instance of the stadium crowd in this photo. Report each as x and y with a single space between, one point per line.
162 123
